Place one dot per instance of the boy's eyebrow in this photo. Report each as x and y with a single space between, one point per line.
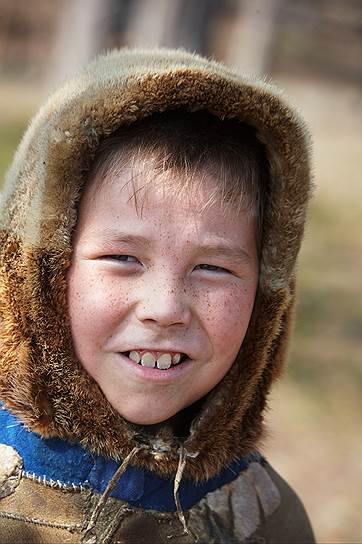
217 249
234 253
111 237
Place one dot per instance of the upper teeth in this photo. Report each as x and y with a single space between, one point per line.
163 361
176 358
135 356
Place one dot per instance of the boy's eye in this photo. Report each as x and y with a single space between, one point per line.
211 268
122 258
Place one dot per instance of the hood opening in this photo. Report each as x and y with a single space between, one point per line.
40 380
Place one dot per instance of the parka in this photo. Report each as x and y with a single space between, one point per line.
72 469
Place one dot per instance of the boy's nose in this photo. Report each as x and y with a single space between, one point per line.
165 305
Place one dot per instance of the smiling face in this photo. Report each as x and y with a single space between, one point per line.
151 285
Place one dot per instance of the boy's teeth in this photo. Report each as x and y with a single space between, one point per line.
135 356
148 360
176 358
164 361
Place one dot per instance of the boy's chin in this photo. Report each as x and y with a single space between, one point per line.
149 421
149 417
179 421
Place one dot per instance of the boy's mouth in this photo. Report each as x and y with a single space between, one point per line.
155 359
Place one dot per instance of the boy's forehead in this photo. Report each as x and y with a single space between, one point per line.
143 184
131 204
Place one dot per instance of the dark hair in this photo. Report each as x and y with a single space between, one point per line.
188 143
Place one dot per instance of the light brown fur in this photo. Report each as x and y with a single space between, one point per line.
40 379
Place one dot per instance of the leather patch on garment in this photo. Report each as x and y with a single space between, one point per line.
10 470
235 511
267 491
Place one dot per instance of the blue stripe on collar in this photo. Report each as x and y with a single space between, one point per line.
71 465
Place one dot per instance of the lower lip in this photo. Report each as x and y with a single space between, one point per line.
155 374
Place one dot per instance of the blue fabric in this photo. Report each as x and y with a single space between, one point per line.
59 460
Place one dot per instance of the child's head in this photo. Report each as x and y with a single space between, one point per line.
165 263
164 260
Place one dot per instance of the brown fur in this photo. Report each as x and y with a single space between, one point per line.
40 379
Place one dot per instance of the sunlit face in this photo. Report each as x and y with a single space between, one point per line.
165 281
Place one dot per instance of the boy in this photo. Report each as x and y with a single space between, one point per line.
150 226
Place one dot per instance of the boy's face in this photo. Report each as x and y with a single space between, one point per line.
164 280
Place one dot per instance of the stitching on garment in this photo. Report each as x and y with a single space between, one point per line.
183 455
113 481
177 482
72 527
88 526
54 483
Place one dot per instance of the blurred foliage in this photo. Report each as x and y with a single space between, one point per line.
11 132
327 344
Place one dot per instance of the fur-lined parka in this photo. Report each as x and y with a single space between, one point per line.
71 468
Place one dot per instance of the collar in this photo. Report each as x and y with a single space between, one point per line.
62 464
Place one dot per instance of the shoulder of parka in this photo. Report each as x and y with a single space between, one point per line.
289 524
257 507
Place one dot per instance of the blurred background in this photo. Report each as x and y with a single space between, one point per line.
312 49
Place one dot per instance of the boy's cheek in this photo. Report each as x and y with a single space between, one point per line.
85 301
234 316
95 308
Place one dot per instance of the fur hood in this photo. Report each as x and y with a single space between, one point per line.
41 382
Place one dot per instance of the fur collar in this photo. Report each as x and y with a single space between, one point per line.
40 380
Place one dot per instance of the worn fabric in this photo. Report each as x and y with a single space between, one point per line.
257 506
41 382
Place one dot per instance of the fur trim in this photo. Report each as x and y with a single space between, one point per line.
40 380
